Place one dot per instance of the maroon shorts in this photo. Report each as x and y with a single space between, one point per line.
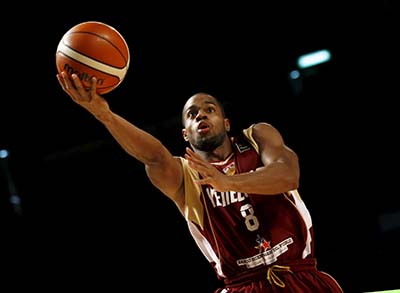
293 276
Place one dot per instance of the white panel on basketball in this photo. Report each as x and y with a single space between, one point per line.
92 63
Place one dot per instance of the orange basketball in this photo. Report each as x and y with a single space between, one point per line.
94 49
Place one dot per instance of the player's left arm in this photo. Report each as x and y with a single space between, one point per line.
279 173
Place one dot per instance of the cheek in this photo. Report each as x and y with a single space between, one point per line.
191 132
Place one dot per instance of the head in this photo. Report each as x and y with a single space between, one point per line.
205 124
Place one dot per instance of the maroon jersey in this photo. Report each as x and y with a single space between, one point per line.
242 233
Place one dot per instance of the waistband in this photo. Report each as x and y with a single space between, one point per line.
271 272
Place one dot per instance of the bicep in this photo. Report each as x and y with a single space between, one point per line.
272 147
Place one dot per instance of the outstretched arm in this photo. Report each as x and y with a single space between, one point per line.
163 169
279 174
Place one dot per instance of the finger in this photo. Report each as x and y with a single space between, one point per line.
61 82
192 161
77 82
199 167
203 181
189 151
66 82
193 156
192 153
93 86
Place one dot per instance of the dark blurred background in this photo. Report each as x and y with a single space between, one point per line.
77 213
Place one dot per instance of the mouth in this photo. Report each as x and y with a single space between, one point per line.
203 127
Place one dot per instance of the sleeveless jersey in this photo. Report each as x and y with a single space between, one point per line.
239 232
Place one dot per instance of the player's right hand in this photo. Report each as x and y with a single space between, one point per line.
87 98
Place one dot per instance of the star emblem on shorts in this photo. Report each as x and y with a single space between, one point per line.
262 244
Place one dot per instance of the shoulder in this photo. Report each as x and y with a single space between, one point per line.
260 129
263 126
253 133
263 133
188 172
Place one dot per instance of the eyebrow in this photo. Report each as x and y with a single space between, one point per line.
196 106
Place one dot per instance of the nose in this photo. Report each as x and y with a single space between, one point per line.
200 115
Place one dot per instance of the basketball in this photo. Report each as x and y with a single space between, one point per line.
94 49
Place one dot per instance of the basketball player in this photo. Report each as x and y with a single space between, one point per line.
238 194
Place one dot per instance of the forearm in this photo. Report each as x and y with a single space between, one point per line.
135 141
273 179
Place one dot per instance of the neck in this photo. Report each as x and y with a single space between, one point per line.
219 154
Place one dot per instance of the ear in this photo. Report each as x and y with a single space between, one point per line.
184 134
227 124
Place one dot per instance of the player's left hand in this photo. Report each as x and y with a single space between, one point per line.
210 175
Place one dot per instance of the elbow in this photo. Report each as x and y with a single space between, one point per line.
291 181
292 185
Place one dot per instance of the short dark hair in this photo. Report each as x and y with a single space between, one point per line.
218 103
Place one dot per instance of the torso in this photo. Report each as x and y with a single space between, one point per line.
243 231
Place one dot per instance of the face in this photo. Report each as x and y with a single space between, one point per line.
205 125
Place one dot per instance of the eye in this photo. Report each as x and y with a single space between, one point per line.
191 114
210 110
